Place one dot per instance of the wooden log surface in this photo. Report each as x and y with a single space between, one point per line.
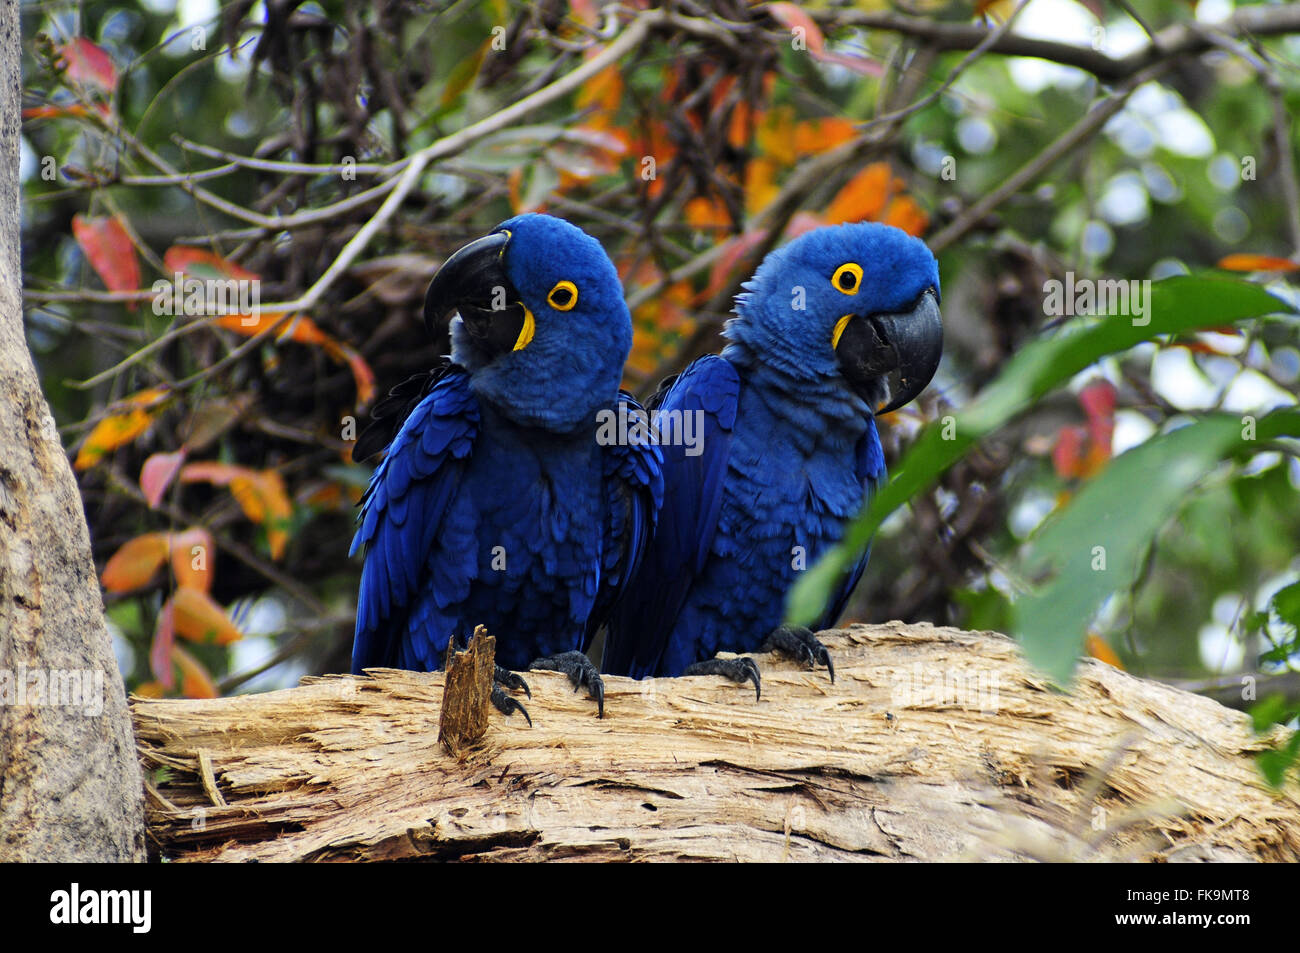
932 744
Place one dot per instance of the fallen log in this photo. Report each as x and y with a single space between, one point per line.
932 744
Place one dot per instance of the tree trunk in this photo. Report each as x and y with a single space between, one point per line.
69 785
932 744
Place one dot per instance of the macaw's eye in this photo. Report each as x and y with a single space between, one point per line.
847 278
563 296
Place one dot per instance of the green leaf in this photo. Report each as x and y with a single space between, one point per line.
1095 546
1175 305
1286 603
1269 711
1275 764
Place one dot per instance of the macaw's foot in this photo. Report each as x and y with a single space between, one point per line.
503 678
511 680
581 672
801 645
739 669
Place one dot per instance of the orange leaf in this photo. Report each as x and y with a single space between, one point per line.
361 373
195 680
863 196
116 430
818 135
263 499
72 110
89 64
1098 649
192 553
149 690
1245 262
199 619
704 212
603 92
135 562
904 213
202 263
157 474
108 248
797 21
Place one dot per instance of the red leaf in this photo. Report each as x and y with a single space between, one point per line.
1098 401
734 253
89 64
160 653
108 248
157 474
1067 455
793 17
858 64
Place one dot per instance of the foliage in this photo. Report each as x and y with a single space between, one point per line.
263 147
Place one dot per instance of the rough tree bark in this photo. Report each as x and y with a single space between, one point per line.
931 744
69 785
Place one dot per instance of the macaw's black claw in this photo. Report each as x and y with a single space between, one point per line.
511 680
801 645
740 669
508 704
581 672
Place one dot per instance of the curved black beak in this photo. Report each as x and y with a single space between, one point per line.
473 281
909 342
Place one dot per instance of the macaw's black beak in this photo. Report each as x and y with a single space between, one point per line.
909 343
473 281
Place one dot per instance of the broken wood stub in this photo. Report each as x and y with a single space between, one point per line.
468 696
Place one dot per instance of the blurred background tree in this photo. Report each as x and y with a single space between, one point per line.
337 152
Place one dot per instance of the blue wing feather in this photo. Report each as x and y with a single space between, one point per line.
634 493
870 469
406 577
644 618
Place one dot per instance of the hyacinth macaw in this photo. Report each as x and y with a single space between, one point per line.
788 452
496 504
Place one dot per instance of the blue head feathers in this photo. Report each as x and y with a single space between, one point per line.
858 301
543 326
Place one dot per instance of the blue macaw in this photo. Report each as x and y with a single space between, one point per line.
783 450
496 504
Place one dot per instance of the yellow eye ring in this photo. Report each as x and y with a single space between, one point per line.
847 278
563 296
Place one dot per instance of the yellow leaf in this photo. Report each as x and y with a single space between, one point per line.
262 497
116 430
